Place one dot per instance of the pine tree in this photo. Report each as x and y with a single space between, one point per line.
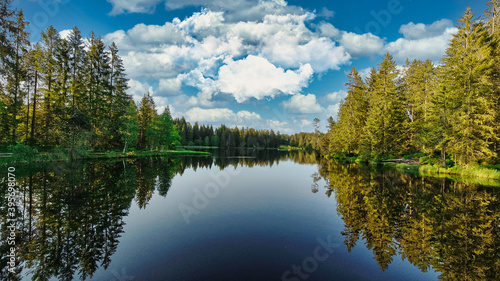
130 126
352 113
47 70
119 97
419 81
16 73
492 17
385 125
146 114
468 66
98 92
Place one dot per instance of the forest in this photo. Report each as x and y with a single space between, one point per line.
70 93
448 114
204 135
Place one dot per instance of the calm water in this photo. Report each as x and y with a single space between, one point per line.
260 216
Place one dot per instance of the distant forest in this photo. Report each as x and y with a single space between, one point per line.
447 113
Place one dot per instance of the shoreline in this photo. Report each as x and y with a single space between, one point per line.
62 156
488 172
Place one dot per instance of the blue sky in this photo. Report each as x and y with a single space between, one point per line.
267 64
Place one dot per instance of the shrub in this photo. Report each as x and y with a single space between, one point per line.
23 153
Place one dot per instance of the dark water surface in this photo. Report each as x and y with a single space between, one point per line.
254 216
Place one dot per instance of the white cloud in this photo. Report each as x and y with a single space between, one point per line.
255 77
432 48
333 110
302 104
199 22
361 45
365 72
413 31
144 37
169 87
325 13
137 89
236 10
250 59
210 115
64 34
133 6
336 97
328 30
303 123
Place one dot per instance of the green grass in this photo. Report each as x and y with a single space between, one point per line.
477 172
33 156
289 148
198 147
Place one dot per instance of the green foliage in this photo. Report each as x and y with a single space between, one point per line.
451 112
23 153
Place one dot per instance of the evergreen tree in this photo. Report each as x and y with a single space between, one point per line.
47 70
468 66
18 44
146 114
130 126
352 113
385 124
119 98
419 84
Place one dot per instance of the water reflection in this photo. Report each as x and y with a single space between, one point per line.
450 226
71 215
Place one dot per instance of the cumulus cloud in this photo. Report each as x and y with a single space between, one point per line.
422 41
64 34
336 97
302 104
252 59
211 115
133 6
328 30
359 45
255 77
236 10
169 87
413 31
137 89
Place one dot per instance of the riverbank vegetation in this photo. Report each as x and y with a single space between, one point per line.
447 115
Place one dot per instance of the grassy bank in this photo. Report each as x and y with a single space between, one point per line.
33 156
487 172
289 148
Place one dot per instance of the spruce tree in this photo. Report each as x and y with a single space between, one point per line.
385 125
468 66
352 113
47 70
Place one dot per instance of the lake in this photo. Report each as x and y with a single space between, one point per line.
255 215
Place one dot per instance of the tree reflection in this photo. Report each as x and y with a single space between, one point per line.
71 214
448 225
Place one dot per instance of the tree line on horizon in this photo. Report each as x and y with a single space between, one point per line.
223 136
449 112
